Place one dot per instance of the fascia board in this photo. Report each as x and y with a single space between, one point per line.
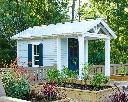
109 29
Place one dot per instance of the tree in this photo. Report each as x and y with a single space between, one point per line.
115 14
18 15
73 7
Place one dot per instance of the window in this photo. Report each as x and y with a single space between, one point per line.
36 55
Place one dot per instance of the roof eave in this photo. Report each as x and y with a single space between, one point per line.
109 29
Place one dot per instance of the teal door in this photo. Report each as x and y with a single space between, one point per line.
73 54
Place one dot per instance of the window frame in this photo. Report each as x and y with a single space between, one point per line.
33 61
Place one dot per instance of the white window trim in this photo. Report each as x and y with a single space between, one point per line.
34 43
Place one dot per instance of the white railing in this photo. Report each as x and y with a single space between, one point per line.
39 73
113 68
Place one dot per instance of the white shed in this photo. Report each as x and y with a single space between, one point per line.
63 43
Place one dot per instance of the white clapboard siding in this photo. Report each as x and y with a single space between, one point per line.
22 60
49 51
64 52
23 52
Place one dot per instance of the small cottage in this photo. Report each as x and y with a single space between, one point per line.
64 44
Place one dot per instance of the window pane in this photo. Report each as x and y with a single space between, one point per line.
75 48
34 49
71 48
36 62
36 58
37 49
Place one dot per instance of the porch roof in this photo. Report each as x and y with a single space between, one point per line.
88 28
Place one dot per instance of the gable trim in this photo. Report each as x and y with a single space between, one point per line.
109 29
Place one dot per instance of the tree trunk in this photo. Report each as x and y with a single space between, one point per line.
73 7
79 10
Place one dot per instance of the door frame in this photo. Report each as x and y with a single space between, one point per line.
67 47
68 52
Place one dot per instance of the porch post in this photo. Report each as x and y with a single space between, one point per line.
107 57
59 53
81 55
86 51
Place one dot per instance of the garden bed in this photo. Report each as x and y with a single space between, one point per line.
119 77
74 86
89 87
86 95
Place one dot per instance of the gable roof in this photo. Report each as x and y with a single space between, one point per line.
76 27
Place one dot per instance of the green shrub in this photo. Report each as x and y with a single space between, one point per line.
16 82
53 75
66 73
75 74
123 71
69 73
105 79
86 71
97 79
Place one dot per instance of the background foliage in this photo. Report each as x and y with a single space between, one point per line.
18 15
115 13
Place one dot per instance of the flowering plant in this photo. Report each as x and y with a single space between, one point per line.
16 82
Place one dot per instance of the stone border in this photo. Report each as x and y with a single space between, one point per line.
10 99
2 91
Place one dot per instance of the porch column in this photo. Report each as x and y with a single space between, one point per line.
107 57
59 53
86 51
81 55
